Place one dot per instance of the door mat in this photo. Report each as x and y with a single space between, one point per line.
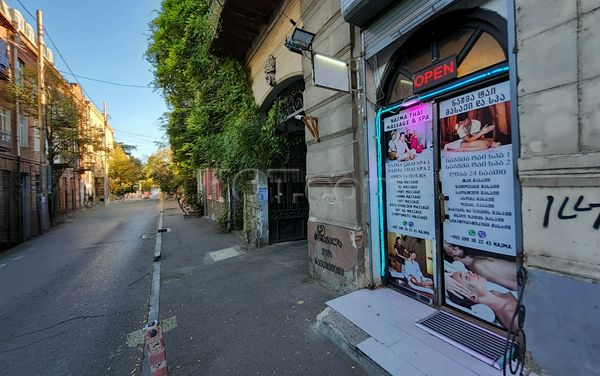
480 343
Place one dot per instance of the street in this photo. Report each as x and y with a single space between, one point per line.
70 297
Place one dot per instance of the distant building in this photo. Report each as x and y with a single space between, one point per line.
20 141
93 166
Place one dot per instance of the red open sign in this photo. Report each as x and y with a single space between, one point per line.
435 74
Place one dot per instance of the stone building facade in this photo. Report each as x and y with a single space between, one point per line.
445 89
318 195
559 169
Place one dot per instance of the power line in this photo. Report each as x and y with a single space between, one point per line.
58 51
108 82
286 16
136 134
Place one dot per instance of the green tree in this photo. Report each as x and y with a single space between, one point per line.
68 141
213 120
147 184
125 172
163 172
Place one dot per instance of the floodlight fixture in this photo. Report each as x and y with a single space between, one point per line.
301 40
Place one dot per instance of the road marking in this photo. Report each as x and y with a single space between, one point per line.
158 244
1 265
155 294
17 258
153 307
224 254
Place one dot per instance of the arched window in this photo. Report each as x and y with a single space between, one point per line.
478 40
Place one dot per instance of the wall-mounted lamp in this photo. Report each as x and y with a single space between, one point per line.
312 123
301 40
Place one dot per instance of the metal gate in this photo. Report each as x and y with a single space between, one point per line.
26 207
6 212
288 204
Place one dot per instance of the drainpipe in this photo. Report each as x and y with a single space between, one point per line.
363 92
17 40
43 201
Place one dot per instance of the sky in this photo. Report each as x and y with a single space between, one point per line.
106 40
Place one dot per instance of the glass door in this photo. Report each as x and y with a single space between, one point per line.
410 223
477 179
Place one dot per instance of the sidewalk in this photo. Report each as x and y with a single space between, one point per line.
241 311
381 325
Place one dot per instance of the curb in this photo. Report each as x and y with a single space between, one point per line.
158 244
346 336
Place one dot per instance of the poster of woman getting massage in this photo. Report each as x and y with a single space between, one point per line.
411 264
477 170
409 187
480 283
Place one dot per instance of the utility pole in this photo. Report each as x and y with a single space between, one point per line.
45 222
105 154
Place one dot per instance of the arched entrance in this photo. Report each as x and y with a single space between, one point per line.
447 160
478 39
288 204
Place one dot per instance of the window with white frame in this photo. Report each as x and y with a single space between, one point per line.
19 72
36 136
5 124
23 131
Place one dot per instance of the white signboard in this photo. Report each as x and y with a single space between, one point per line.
330 73
409 172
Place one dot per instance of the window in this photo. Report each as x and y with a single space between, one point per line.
23 131
19 72
477 43
36 136
5 130
484 53
3 56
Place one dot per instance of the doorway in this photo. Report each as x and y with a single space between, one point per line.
288 204
447 165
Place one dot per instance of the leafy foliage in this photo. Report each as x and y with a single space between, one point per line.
163 172
125 172
68 141
213 120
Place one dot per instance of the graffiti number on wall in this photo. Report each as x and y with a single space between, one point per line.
566 212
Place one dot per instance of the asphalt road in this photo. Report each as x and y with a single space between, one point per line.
69 298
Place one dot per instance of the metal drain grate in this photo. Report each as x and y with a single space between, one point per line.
481 343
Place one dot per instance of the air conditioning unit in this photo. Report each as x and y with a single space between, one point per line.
18 20
30 34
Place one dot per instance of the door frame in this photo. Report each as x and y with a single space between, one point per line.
489 76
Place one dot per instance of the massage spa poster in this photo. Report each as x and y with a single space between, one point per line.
409 173
477 176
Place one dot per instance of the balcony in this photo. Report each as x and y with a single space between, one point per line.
240 22
5 140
